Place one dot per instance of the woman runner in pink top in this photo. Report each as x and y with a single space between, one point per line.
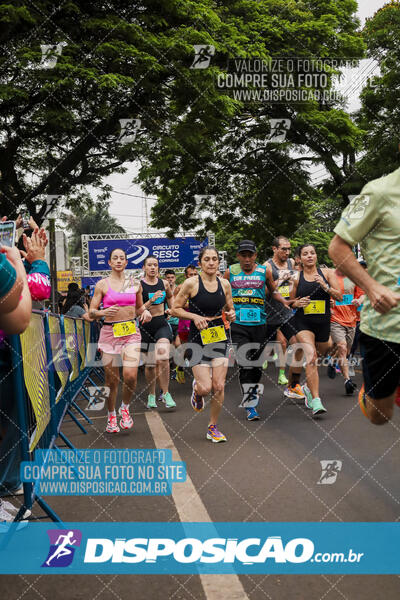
122 303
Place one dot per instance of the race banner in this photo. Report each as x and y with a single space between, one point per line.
171 253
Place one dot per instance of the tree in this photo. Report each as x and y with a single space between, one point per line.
61 111
244 179
379 116
96 219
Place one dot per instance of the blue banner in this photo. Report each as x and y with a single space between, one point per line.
171 253
190 548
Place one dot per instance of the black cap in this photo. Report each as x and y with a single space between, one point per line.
247 246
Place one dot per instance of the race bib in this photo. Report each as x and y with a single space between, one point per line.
213 334
347 299
123 329
250 315
284 290
159 300
316 307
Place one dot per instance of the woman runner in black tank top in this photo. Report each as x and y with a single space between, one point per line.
208 296
313 291
157 334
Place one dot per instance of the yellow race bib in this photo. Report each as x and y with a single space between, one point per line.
316 307
213 334
124 328
284 290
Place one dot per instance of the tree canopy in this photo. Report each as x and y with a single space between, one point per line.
86 87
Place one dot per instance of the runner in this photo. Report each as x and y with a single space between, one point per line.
280 319
208 296
312 292
156 335
249 281
343 327
372 219
119 334
183 325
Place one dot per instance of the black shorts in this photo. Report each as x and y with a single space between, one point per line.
252 334
321 329
198 353
174 329
153 331
288 328
381 366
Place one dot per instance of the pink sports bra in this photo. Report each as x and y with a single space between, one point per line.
111 297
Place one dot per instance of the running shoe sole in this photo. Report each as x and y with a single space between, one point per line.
293 395
215 440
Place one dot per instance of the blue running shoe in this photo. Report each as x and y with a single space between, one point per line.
252 414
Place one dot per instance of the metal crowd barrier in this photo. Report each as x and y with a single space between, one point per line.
53 359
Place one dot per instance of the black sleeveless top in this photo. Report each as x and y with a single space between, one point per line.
207 304
315 291
148 290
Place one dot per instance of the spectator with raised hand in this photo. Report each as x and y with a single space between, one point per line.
38 273
15 299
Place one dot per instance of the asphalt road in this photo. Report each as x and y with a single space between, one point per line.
267 471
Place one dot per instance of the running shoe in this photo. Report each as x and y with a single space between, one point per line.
295 391
265 365
331 371
196 401
180 375
112 425
350 387
215 435
151 401
126 421
252 414
282 379
307 395
317 407
361 401
338 369
168 401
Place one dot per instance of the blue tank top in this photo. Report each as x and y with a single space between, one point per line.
248 293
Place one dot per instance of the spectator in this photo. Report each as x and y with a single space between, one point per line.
75 305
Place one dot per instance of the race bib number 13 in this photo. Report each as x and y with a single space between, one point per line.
125 328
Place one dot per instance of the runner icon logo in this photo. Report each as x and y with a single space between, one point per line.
63 543
98 397
203 56
330 471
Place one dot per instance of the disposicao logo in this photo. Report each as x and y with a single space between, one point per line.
62 547
190 550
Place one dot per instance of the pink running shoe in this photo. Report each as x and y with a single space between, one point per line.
112 425
126 421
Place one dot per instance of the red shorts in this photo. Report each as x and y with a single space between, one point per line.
116 345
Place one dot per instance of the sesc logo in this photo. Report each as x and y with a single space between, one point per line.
62 547
190 550
138 255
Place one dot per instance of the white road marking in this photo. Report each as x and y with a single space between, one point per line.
190 508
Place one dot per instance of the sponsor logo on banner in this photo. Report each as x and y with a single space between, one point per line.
138 255
62 547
